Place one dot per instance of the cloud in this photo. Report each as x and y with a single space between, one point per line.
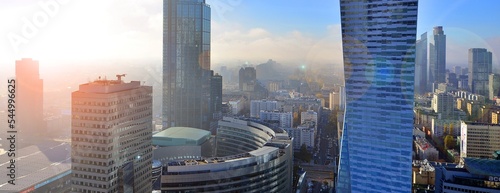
231 45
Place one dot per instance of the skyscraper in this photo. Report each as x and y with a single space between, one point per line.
493 86
186 63
247 75
378 39
29 100
480 67
421 65
111 130
437 57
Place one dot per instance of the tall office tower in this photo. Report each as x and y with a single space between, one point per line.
378 39
111 130
458 70
247 75
493 86
437 57
186 63
421 65
29 100
216 97
480 66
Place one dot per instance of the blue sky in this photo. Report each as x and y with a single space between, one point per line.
303 32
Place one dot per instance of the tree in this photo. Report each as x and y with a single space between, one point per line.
449 142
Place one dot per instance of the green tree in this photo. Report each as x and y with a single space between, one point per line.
449 142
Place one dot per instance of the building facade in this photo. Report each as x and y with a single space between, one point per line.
247 75
282 119
262 105
493 86
378 40
111 137
186 63
437 56
480 67
479 140
421 65
29 100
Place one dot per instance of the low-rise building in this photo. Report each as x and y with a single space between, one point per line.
425 150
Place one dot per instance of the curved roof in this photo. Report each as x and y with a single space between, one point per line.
485 167
179 136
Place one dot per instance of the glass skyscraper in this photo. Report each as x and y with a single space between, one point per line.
186 63
378 39
480 67
437 57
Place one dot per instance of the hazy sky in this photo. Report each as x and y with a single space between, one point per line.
288 31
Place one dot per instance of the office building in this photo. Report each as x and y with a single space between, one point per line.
216 97
250 158
186 63
29 100
458 70
493 86
279 118
303 134
479 140
475 175
247 75
421 65
111 137
480 67
437 56
334 100
378 39
262 105
443 105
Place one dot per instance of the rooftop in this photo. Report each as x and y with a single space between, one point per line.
179 136
484 167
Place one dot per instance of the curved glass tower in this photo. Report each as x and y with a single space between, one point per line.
186 63
378 40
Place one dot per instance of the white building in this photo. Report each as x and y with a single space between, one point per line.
236 106
334 100
284 119
425 150
111 137
309 116
479 140
443 104
303 134
262 105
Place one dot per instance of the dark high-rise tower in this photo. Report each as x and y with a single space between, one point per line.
421 65
480 67
29 102
437 57
247 75
186 63
378 41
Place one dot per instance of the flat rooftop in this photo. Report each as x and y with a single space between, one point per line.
35 165
179 136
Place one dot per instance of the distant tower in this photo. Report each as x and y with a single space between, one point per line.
378 40
29 100
247 75
480 67
186 63
437 57
111 137
421 65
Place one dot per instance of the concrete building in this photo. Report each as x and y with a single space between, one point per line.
250 158
283 119
476 175
443 105
493 86
441 127
111 137
423 173
262 105
334 100
479 140
237 105
247 75
425 150
421 65
303 134
378 40
437 56
309 116
480 67
186 64
29 101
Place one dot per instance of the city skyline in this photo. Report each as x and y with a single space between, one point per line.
133 32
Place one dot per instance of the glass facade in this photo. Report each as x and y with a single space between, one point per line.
378 39
186 63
